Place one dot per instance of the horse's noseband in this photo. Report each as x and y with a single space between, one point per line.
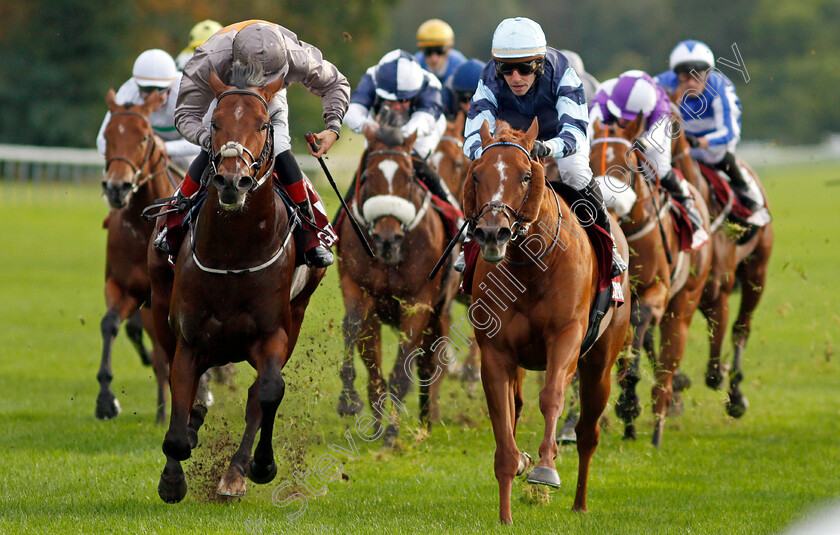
517 225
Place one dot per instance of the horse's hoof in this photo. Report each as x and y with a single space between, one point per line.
145 360
737 405
629 432
173 486
350 404
543 475
567 435
262 474
656 441
233 483
680 382
675 405
205 397
107 407
628 406
524 463
178 450
714 377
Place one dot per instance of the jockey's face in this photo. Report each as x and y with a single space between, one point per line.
520 83
400 107
435 57
694 80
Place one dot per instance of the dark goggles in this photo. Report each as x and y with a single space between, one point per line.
148 89
524 67
438 50
464 97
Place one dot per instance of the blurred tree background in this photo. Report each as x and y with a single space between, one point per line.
60 57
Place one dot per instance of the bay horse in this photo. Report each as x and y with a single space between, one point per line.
732 259
667 282
510 203
235 294
136 173
408 237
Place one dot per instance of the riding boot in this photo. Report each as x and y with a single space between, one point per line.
682 194
291 178
168 239
729 165
593 196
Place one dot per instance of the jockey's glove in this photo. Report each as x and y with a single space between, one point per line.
540 151
692 141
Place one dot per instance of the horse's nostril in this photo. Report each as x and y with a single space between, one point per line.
503 235
105 184
219 181
478 235
244 183
125 186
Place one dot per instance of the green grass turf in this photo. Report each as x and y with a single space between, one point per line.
66 472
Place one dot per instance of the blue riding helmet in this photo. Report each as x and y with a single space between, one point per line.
466 76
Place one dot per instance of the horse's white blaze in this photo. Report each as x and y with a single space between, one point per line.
389 169
238 112
121 128
436 158
500 167
610 156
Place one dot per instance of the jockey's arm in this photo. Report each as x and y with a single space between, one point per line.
572 117
361 101
194 99
483 108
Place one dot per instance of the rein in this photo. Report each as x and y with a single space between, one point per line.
150 150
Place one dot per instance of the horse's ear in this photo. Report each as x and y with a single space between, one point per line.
531 209
409 141
153 102
597 128
635 128
468 197
532 133
216 84
111 100
272 88
484 132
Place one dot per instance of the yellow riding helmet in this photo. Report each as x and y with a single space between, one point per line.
435 32
203 31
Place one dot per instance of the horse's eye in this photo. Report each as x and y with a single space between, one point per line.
264 126
475 177
526 178
213 125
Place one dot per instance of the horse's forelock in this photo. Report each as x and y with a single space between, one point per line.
506 133
247 75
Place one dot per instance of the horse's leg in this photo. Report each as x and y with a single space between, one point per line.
183 384
518 404
134 331
498 378
561 356
270 391
674 330
160 364
120 306
628 406
431 368
753 274
567 432
349 402
412 326
233 481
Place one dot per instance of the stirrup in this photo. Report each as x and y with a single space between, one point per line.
460 263
619 266
318 257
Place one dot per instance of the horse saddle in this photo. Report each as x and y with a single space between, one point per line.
726 197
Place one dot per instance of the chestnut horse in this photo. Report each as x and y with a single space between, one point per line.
408 237
666 285
747 262
510 203
236 293
136 173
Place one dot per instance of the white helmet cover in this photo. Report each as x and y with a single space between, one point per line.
398 76
693 52
154 68
518 37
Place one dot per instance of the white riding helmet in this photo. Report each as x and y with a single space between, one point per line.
398 76
691 54
631 95
518 37
154 68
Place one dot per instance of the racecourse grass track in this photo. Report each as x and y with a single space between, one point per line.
66 472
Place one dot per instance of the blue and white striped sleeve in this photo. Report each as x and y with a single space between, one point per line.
572 115
483 107
727 113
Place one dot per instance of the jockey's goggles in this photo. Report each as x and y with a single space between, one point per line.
436 50
464 97
524 67
147 89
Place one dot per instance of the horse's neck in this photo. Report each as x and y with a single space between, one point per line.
257 222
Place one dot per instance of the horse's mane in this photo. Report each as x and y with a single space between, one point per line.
506 133
244 76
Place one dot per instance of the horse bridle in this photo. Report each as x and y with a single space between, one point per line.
419 214
518 228
234 149
138 169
